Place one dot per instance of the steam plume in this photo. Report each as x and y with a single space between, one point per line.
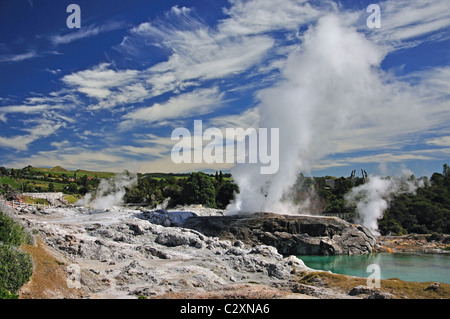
334 98
323 87
373 197
110 192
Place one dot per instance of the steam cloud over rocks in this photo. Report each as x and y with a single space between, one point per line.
372 198
110 192
333 91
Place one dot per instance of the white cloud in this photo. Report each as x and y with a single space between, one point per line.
85 32
197 102
99 81
197 52
21 142
246 119
440 141
241 52
262 16
403 22
18 57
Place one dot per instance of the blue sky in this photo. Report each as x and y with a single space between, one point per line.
108 95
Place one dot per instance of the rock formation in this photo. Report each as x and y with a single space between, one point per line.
125 253
121 254
290 235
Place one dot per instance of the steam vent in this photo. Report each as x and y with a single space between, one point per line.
290 235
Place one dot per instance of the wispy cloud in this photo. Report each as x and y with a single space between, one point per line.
99 81
440 141
406 23
18 57
197 52
194 103
264 16
62 100
245 55
21 142
86 32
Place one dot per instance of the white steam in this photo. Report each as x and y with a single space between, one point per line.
110 192
333 96
372 198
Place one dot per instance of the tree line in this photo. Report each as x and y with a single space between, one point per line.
424 212
427 211
215 191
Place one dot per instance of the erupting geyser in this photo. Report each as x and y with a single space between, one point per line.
333 95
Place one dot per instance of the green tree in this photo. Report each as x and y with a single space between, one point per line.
134 195
72 188
199 189
446 174
226 193
51 187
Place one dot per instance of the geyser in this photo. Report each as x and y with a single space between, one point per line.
333 98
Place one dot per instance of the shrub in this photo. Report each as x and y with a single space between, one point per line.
11 233
16 269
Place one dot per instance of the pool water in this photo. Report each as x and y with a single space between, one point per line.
417 267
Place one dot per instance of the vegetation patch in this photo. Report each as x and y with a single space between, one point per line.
11 233
71 199
16 266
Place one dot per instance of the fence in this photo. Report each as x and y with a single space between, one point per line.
19 204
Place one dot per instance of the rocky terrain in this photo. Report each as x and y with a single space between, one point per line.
291 235
422 243
121 254
128 253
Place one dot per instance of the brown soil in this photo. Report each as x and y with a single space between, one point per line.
238 291
49 279
398 289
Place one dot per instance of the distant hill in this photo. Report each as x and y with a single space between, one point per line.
79 172
58 169
55 169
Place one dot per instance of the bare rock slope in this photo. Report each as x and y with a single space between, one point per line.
121 254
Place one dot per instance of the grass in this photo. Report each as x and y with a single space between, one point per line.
10 181
71 199
18 183
399 289
31 200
